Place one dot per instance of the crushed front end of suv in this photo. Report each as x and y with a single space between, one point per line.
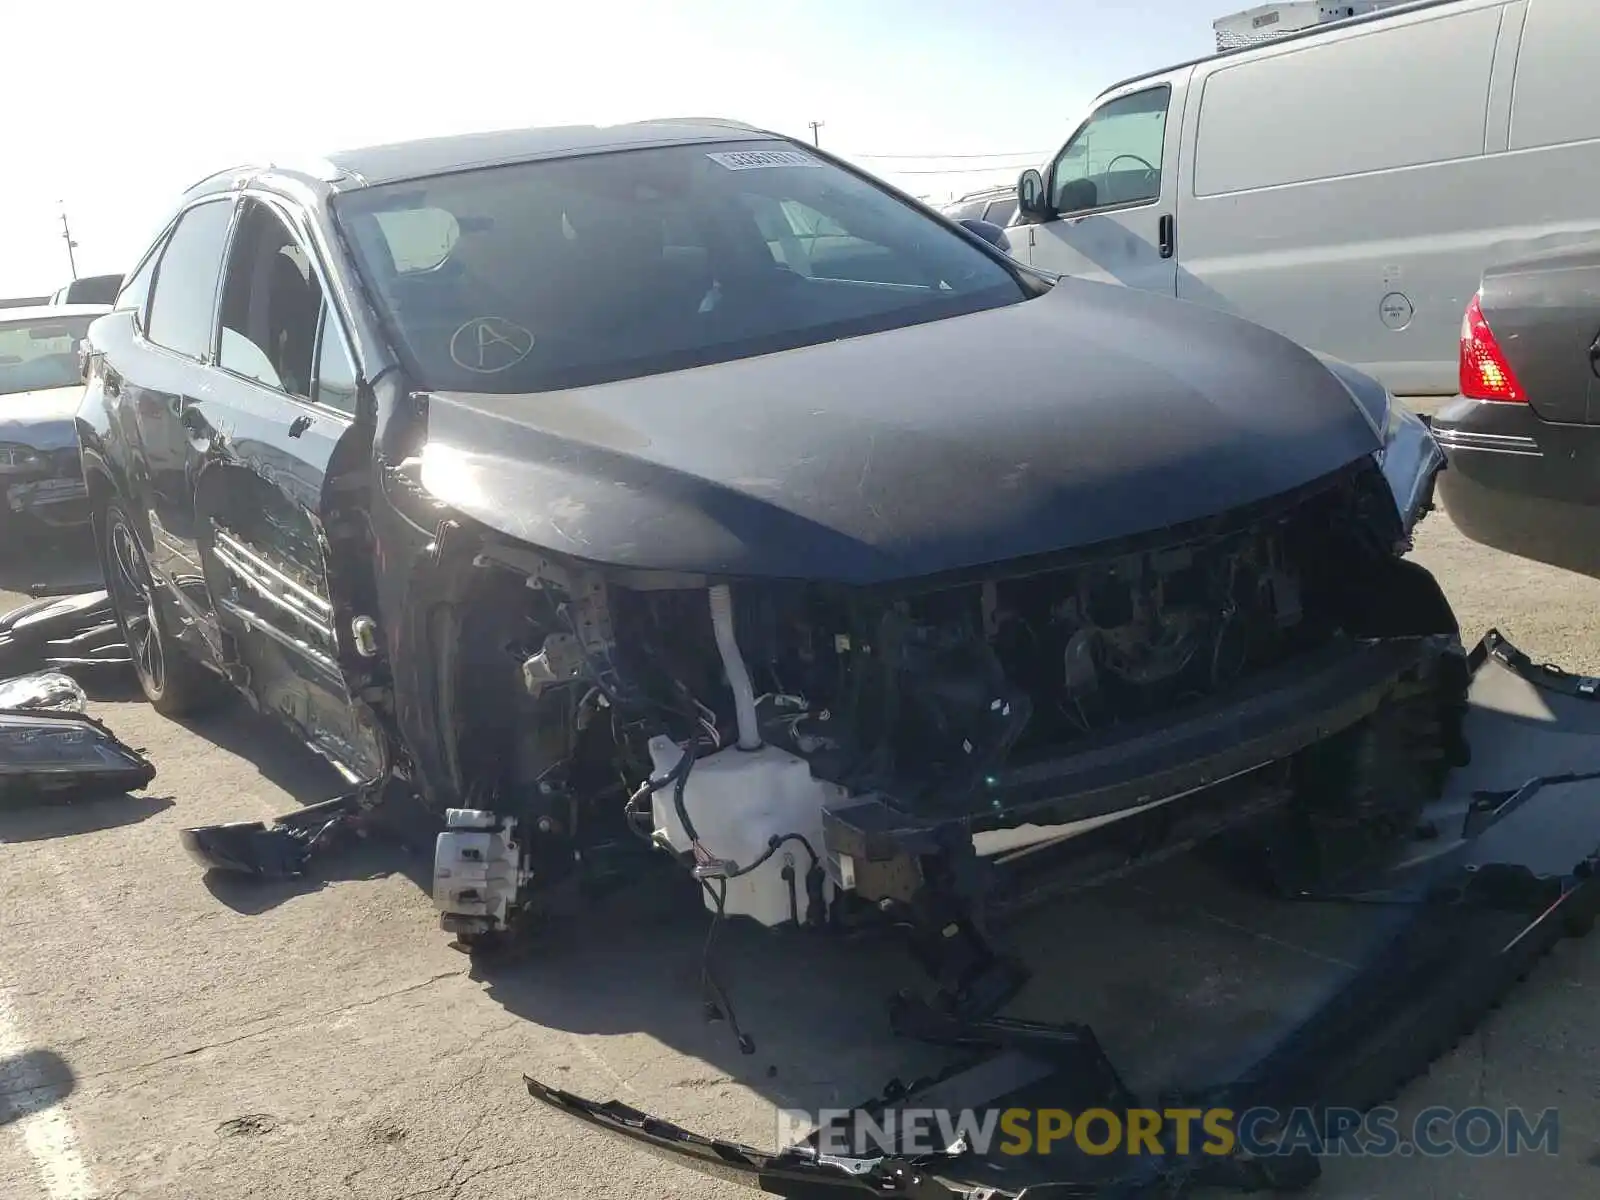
677 497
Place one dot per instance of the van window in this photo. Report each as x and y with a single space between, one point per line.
1557 95
1342 107
1115 157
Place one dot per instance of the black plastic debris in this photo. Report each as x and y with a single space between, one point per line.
62 632
282 850
249 848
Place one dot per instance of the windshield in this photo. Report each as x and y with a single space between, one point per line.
581 270
40 353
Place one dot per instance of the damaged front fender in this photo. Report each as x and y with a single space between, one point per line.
1411 459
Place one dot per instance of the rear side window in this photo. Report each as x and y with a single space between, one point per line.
136 291
1558 89
1344 107
183 309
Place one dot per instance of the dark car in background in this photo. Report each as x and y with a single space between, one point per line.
996 205
41 481
91 289
1523 439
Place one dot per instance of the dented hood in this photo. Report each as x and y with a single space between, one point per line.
1089 413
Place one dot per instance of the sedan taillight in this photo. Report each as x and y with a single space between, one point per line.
1485 373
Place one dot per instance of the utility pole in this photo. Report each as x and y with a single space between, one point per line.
66 233
816 125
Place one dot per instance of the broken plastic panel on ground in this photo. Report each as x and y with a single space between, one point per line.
1181 986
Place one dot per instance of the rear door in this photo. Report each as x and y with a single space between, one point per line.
282 404
157 377
1112 193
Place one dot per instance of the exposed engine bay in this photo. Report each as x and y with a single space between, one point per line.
816 755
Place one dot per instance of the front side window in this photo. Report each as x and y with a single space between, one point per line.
1115 158
183 308
336 374
568 272
271 303
40 353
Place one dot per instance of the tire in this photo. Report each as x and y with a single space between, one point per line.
173 682
1360 794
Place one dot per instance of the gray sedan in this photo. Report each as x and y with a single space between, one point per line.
41 382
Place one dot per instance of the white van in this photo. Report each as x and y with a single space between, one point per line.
1346 186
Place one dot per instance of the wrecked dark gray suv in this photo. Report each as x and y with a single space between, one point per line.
675 496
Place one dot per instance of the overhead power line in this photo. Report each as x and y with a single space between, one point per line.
965 170
1009 154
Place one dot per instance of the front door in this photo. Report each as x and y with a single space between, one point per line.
281 404
1112 196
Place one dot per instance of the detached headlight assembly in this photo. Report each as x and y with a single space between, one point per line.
63 755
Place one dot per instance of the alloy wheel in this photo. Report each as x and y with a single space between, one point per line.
135 601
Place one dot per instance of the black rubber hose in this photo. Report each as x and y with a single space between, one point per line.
772 848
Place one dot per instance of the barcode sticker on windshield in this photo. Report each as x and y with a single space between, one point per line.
748 160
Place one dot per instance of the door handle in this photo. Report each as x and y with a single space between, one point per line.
299 425
1166 234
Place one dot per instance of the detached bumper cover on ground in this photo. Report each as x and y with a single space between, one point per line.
1507 872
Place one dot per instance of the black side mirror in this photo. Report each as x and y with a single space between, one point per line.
989 232
1032 204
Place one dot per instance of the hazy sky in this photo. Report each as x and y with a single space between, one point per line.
115 106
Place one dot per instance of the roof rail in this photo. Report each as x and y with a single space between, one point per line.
218 174
983 191
721 122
